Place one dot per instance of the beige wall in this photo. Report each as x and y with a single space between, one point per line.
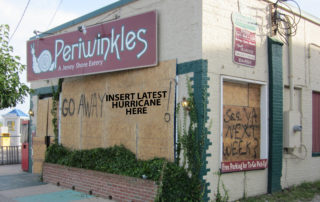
217 49
217 42
89 120
301 166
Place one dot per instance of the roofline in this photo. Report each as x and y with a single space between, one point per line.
304 15
84 18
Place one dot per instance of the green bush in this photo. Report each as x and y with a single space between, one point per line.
56 153
177 185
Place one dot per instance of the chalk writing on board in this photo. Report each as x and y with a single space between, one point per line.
241 133
91 105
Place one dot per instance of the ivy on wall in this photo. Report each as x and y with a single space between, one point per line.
55 100
191 137
189 141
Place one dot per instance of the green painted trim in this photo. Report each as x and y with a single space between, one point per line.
84 18
200 83
275 41
44 91
275 115
193 66
316 154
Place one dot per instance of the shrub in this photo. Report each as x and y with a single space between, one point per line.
55 153
177 185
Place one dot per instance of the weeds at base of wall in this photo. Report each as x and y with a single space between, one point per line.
308 191
221 197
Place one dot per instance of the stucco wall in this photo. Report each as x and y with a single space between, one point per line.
217 49
301 166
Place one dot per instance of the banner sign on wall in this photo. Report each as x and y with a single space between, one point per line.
237 166
244 40
113 46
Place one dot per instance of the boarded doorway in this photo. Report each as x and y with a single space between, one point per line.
44 128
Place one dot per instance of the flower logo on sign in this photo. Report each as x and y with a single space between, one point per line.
43 63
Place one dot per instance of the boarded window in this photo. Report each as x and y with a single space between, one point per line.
241 122
316 122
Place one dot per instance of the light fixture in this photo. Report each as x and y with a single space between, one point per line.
30 112
38 33
185 103
82 29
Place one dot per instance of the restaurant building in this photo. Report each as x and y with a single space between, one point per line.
122 70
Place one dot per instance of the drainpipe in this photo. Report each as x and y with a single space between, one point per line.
292 118
290 66
291 78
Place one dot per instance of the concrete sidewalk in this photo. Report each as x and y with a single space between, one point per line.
16 185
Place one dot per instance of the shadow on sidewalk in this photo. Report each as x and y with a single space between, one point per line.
12 177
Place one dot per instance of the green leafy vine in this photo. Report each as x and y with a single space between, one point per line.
54 109
219 196
191 137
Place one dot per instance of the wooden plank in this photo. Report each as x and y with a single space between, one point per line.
254 95
89 119
241 133
235 94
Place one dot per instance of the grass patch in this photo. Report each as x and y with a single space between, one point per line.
304 192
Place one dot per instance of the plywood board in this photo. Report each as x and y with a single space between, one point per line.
128 107
254 95
235 94
241 133
44 127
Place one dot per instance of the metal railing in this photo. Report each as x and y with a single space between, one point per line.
10 150
10 155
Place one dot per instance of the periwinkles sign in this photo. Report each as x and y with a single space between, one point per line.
118 45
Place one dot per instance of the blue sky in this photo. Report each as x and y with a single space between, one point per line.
310 6
39 16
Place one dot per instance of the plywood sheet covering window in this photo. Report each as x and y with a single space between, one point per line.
241 122
100 111
44 127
